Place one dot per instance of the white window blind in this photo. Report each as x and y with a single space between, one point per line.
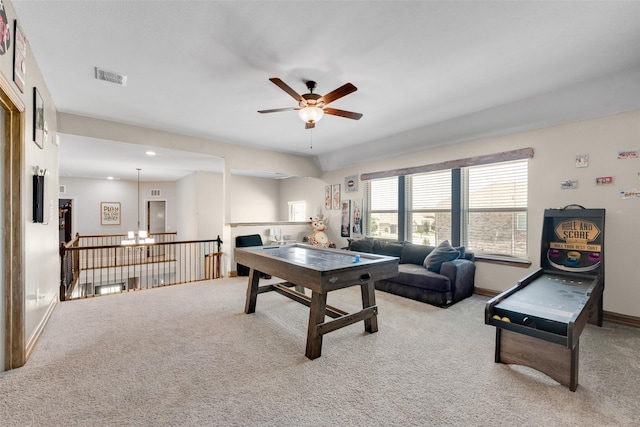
429 207
498 186
382 213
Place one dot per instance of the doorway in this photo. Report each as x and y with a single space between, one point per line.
156 216
156 223
65 220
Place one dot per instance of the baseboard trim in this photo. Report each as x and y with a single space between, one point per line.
33 339
607 316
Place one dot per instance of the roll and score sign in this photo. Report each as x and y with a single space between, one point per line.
577 234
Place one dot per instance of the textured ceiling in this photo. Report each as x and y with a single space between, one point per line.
428 73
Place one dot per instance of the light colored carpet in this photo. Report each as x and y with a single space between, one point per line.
187 355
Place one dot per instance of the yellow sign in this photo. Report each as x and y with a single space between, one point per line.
577 230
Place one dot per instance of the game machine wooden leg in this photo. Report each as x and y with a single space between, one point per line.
554 360
316 317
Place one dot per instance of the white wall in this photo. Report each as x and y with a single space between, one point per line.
555 150
87 194
253 199
40 257
308 189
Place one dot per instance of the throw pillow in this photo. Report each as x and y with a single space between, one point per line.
362 245
442 253
414 254
383 247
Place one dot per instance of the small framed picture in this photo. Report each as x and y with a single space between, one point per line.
110 213
38 118
19 57
336 196
582 160
345 229
569 184
327 197
351 184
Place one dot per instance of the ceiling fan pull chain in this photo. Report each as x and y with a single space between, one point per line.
311 139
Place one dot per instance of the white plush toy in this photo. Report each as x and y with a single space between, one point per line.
319 237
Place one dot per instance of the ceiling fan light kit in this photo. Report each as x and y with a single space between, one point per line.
311 106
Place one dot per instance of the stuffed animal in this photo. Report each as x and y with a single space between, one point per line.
319 237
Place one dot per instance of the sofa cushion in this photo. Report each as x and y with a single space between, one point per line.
362 245
419 277
442 253
383 247
414 254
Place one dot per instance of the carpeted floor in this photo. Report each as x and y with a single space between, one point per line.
187 355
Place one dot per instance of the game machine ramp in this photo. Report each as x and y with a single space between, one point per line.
539 321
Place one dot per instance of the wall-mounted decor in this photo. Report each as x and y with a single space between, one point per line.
604 180
19 57
632 193
627 154
327 197
582 160
38 118
346 218
110 213
356 221
569 184
351 184
336 196
5 33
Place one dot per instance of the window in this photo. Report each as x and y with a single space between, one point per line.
495 208
297 211
382 197
429 207
482 207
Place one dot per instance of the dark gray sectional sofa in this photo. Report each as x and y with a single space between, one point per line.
445 278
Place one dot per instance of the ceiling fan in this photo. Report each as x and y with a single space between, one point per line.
311 106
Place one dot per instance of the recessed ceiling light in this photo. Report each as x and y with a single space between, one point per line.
150 153
110 177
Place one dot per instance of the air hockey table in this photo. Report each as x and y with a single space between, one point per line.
321 270
539 321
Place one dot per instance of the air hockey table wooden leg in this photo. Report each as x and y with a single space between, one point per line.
317 311
252 291
369 300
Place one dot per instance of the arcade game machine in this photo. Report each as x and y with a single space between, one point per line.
539 321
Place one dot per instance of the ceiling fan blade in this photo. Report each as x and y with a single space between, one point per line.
343 90
285 87
343 113
276 110
309 125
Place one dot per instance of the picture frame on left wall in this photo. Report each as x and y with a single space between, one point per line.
110 213
38 118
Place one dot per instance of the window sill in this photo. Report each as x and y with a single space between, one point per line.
503 260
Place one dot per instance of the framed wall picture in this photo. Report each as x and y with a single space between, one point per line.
356 218
346 219
351 184
336 196
110 213
327 197
38 118
19 57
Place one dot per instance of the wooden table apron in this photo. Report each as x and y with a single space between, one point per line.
320 282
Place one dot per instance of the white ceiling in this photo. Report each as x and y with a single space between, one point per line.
429 73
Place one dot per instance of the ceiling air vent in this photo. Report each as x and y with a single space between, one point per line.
155 193
111 77
62 189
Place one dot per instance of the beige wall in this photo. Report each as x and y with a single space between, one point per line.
40 240
555 150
